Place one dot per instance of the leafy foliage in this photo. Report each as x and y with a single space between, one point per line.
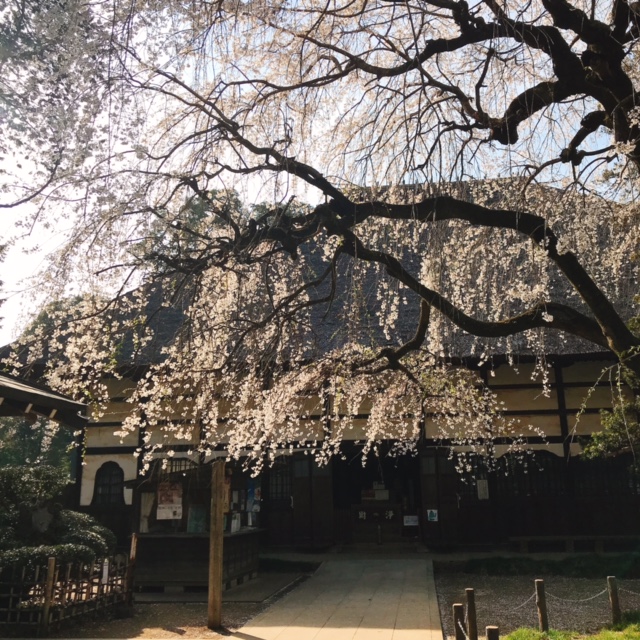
40 442
620 431
33 524
39 555
552 634
625 566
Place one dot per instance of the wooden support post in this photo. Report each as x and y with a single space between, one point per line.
458 622
216 538
493 633
612 586
129 575
541 603
48 594
472 621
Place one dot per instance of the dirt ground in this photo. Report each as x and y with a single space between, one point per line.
165 620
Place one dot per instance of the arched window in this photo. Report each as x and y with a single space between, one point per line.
109 485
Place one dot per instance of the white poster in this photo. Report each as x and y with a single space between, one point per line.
169 501
483 489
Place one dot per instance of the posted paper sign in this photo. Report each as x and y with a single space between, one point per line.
169 501
483 489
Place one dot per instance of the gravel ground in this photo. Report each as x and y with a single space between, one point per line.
508 602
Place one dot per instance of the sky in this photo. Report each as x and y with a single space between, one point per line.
23 259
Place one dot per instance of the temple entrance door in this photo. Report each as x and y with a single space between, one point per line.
312 504
377 503
277 503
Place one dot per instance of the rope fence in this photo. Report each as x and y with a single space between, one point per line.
567 600
465 621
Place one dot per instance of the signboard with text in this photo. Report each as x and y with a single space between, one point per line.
169 501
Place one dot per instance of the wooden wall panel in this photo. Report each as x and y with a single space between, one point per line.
588 372
523 400
519 374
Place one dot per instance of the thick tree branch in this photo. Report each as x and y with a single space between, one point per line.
566 16
618 336
549 315
544 94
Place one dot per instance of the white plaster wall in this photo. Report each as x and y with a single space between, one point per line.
98 436
91 465
555 448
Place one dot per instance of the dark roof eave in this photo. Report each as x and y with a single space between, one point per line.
19 397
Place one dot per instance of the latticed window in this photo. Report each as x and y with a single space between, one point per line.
607 477
109 485
539 473
474 468
170 468
280 481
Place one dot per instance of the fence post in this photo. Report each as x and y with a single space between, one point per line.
66 594
48 594
458 622
612 586
103 591
541 603
493 633
472 622
128 580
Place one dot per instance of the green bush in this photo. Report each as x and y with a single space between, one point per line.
40 555
33 525
81 529
625 565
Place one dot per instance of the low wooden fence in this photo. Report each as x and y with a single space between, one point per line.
37 598
465 620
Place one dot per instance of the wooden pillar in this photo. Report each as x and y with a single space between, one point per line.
493 633
541 602
48 594
459 627
614 600
472 621
216 538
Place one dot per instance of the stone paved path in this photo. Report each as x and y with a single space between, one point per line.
364 598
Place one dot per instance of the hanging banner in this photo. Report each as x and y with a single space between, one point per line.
169 501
